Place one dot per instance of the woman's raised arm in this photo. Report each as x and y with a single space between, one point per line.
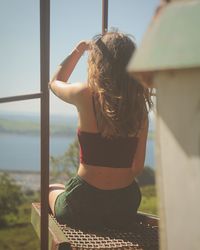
58 82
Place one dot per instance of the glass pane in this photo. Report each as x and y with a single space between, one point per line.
19 28
20 137
19 172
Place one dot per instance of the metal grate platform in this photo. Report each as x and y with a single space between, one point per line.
144 236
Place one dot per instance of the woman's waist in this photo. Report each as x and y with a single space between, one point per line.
106 177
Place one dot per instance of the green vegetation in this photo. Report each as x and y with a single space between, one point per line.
18 126
19 237
149 200
16 232
67 163
33 128
147 177
11 197
19 233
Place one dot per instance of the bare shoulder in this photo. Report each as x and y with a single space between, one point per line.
80 94
82 87
83 95
82 90
71 92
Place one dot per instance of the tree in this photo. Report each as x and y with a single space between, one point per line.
67 163
11 197
147 177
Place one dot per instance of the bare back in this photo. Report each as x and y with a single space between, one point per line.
99 176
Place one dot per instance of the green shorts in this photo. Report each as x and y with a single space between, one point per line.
85 206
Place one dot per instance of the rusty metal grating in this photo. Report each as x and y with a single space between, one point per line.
142 237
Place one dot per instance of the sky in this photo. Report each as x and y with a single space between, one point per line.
71 21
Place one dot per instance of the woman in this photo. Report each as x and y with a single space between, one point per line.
112 134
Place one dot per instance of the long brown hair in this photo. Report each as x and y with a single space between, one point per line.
121 102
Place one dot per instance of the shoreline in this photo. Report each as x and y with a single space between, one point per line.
28 180
19 171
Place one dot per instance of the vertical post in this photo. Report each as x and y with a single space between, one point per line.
179 164
44 78
104 16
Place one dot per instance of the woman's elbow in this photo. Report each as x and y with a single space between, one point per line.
53 87
51 84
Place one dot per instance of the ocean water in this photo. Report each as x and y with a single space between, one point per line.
22 152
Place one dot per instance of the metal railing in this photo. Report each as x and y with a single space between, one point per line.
104 16
44 79
43 95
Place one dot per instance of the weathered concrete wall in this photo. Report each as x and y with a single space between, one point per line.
178 158
169 56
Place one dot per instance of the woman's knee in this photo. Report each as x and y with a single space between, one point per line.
56 186
54 191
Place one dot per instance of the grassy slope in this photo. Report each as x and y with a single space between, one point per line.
19 235
149 200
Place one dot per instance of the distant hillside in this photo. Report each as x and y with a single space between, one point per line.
22 124
30 125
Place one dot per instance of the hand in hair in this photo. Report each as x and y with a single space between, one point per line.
83 46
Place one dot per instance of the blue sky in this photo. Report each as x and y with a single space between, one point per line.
71 21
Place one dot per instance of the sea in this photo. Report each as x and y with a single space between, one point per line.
21 152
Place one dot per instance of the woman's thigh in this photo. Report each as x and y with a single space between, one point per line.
54 191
